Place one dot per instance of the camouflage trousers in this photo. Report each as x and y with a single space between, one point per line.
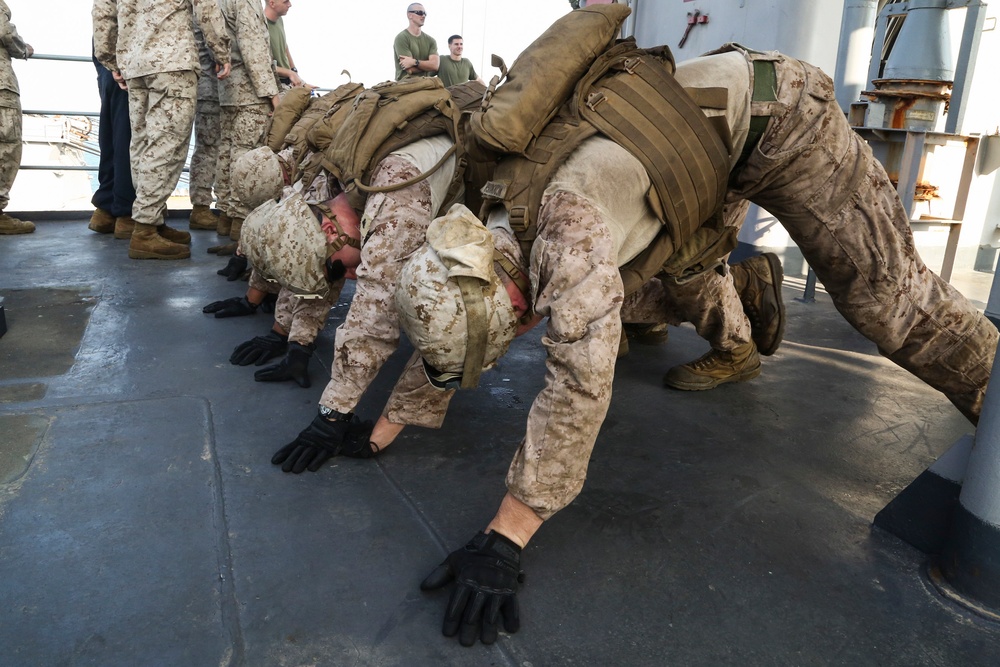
820 180
709 300
243 128
394 226
161 110
303 319
207 131
10 143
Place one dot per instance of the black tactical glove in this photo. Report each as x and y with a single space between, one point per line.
486 573
295 366
238 306
258 350
235 268
323 439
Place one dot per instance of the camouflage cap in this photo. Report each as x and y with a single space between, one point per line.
432 296
286 244
257 177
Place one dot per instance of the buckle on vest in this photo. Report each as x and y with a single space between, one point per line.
595 99
631 64
518 218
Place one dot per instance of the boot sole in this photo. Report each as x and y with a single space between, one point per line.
145 254
772 344
123 236
194 225
690 386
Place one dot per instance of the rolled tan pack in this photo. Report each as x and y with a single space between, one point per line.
293 104
544 75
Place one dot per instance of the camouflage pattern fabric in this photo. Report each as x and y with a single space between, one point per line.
10 143
285 243
205 159
11 46
244 128
303 319
256 177
820 180
161 111
709 301
143 37
245 97
207 127
252 78
576 284
851 228
394 226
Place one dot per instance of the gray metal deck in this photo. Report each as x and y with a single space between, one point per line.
141 522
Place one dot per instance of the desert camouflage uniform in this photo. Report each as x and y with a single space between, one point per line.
394 226
245 97
813 173
709 301
207 128
11 46
152 44
303 319
820 180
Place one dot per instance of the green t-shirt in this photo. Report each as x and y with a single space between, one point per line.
279 46
452 72
421 48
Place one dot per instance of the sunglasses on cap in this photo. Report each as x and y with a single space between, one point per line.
419 12
442 379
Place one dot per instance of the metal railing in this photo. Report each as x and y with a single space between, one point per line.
86 114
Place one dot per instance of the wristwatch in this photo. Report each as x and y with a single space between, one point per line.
332 415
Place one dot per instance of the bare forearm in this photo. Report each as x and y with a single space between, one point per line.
515 521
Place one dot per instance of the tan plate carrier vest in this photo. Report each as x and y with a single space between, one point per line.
631 96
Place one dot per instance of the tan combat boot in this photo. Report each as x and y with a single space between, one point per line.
203 218
715 368
9 225
148 244
225 225
234 234
174 235
101 221
758 281
124 227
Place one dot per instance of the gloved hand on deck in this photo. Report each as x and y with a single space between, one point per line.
323 439
486 573
238 306
295 366
259 349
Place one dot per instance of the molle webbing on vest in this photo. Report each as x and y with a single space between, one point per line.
520 180
647 112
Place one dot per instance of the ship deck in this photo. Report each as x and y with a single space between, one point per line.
141 522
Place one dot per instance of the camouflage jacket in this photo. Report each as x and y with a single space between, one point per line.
11 46
142 37
252 80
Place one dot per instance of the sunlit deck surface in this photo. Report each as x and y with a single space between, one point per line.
141 522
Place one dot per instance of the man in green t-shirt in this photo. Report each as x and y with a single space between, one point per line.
416 52
284 66
455 69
